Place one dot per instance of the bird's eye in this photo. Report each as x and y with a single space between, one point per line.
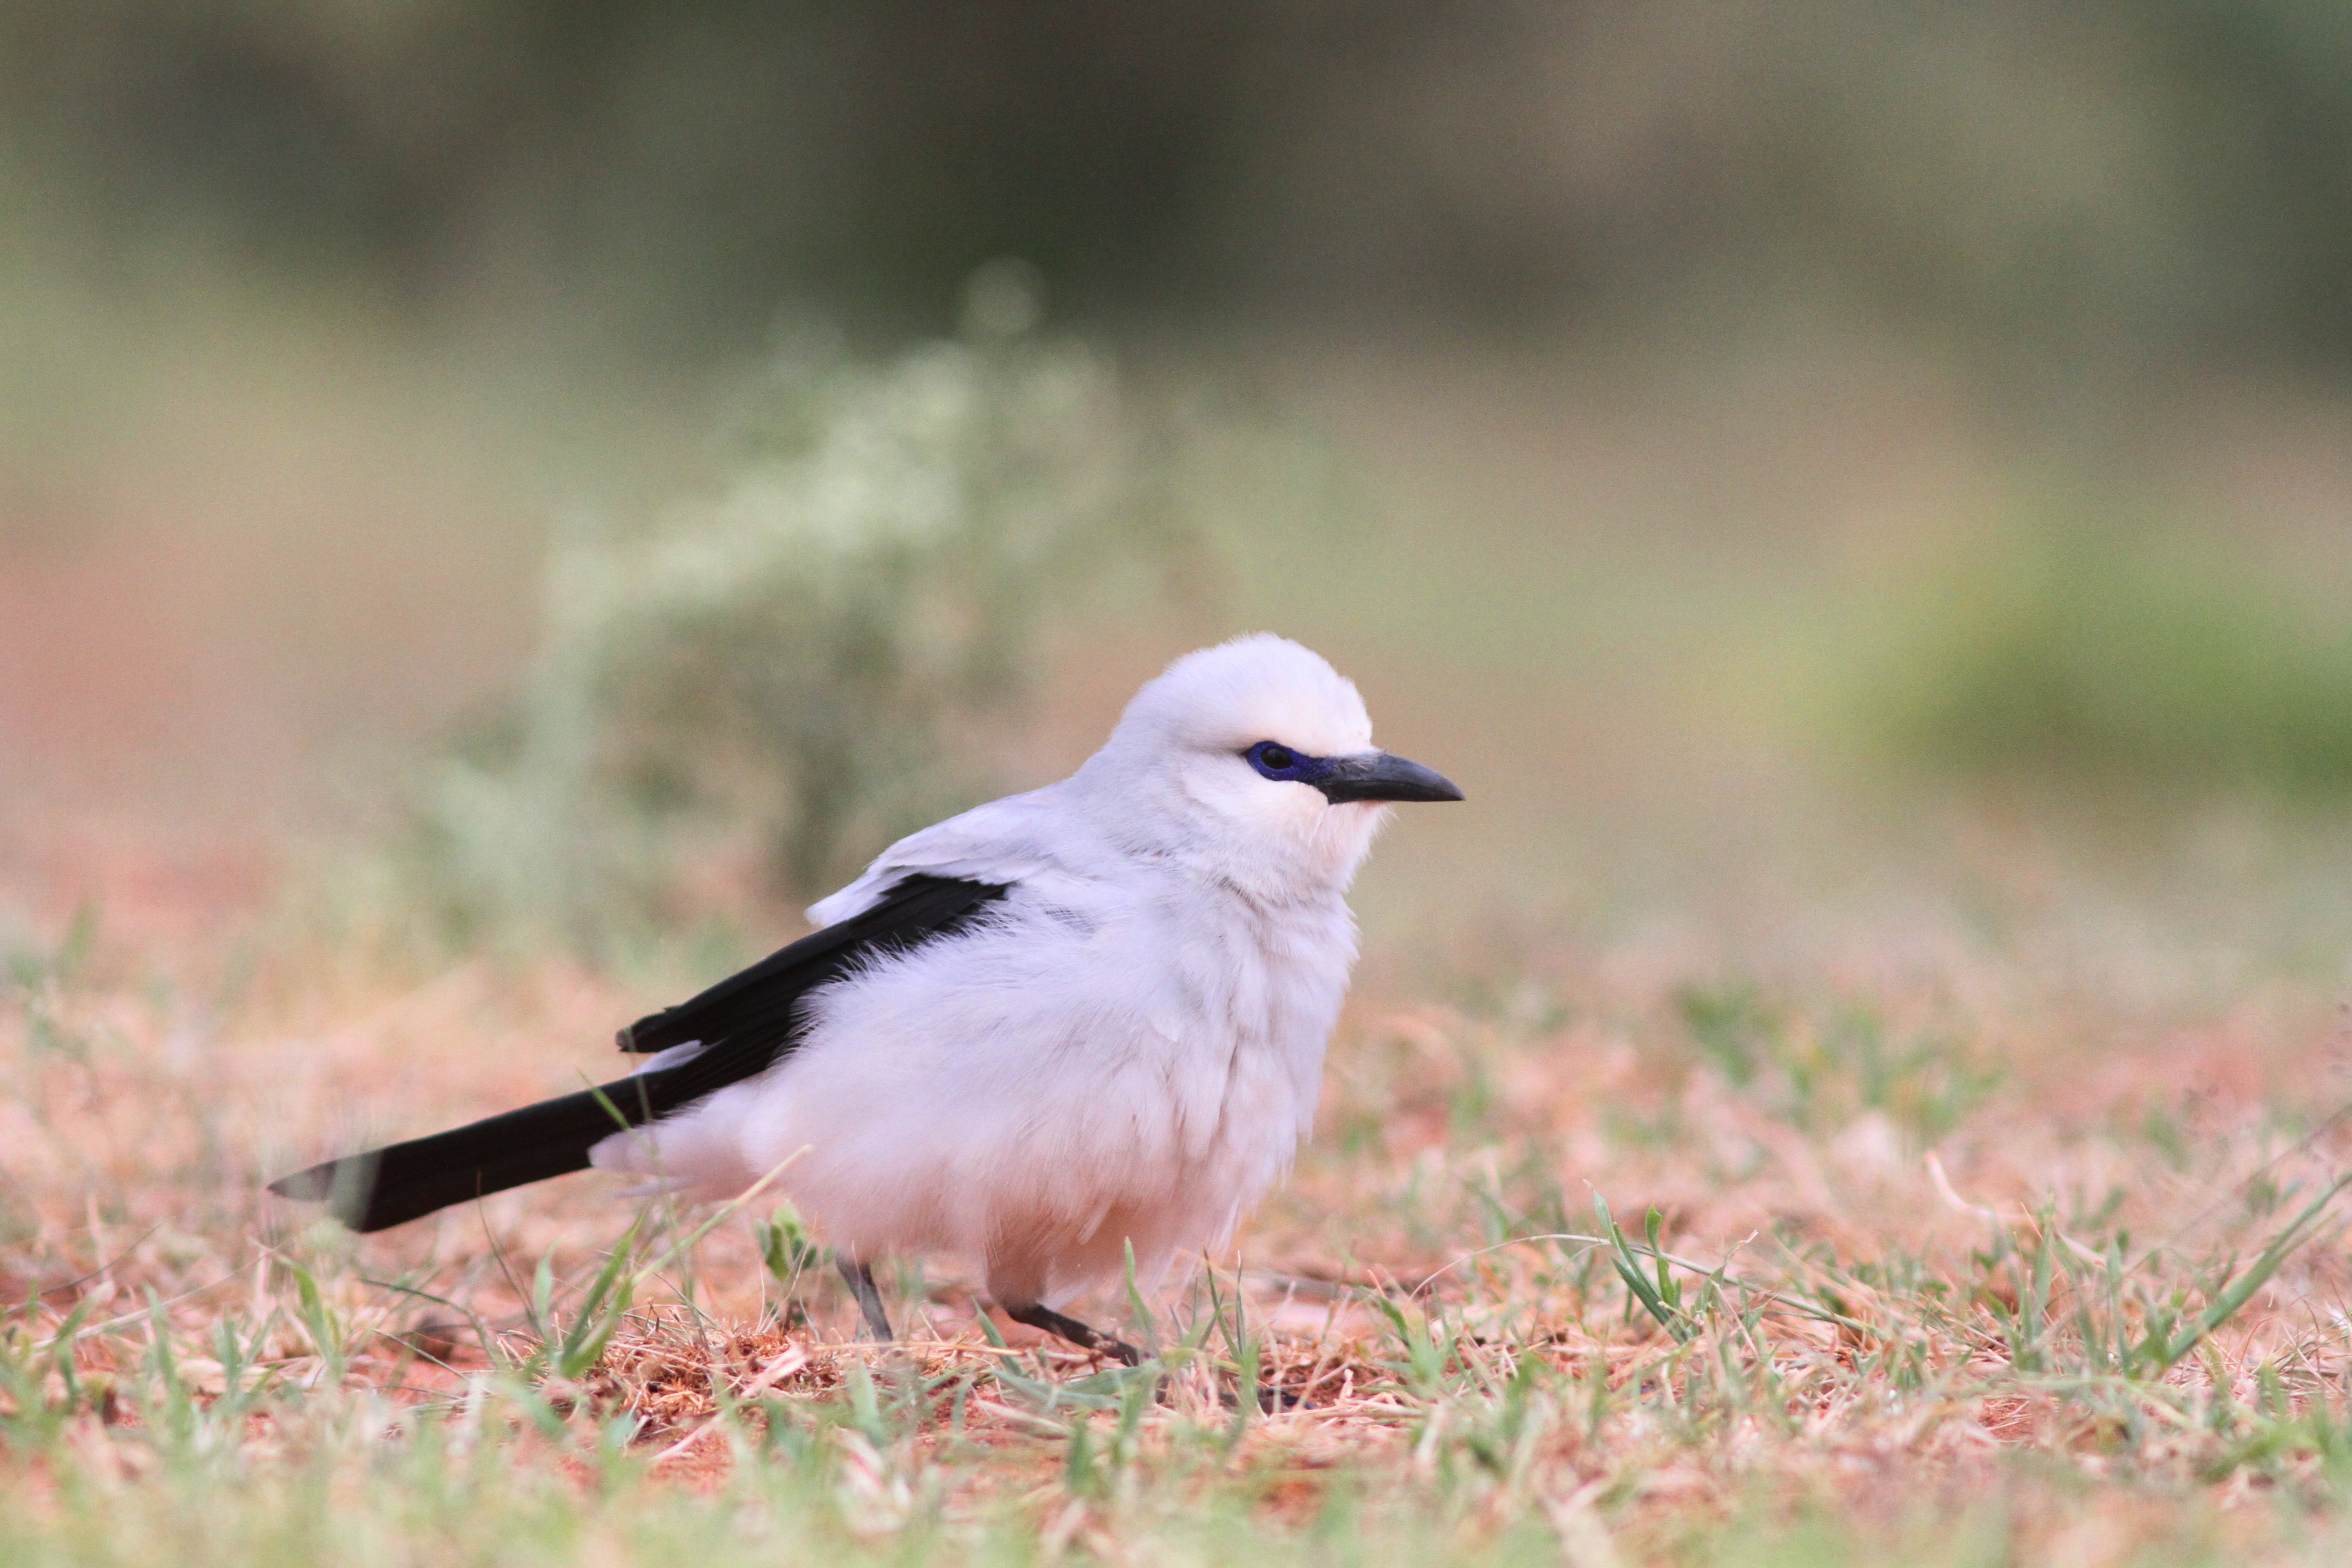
1277 762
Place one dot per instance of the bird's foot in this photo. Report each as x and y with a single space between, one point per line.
1272 1400
869 1299
1075 1332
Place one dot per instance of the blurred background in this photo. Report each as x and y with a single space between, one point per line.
575 472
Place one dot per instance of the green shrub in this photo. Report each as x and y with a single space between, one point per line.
2079 650
806 656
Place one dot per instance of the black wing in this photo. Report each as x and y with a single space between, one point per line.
745 1024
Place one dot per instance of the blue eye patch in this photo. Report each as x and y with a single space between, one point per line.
1275 761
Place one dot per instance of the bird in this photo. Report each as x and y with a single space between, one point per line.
1064 1033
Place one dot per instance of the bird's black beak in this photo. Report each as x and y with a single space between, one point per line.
1382 777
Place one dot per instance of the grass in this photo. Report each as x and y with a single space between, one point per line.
1616 1261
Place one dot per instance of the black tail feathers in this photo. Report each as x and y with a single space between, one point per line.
747 1022
386 1187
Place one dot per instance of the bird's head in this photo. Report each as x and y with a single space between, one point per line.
1265 751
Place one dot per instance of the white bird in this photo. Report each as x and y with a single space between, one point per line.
1066 1024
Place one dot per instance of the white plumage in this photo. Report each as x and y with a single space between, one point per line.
1125 1049
1075 1021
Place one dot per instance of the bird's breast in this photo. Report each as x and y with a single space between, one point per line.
1248 1004
1147 1056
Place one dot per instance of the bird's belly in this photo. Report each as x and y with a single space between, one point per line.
1042 1095
1059 1158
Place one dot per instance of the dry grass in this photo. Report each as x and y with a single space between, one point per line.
1918 1241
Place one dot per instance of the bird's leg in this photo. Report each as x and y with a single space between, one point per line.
869 1300
1077 1332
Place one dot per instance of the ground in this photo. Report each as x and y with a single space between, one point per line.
1988 1227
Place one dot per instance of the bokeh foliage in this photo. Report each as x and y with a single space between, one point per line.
2071 644
2052 186
802 656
